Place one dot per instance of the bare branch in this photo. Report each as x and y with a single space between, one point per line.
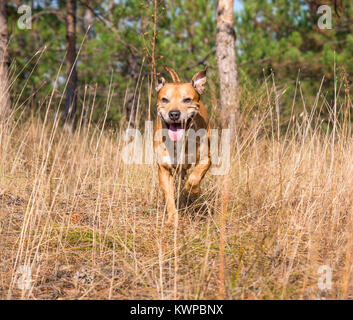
111 27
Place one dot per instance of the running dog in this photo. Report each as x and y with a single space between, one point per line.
180 112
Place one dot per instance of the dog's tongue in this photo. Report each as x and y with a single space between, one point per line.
175 131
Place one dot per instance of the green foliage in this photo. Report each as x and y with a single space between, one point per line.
115 55
282 36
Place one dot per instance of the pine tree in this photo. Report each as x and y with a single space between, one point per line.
71 72
228 71
4 60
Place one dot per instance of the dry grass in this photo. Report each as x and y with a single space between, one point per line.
88 226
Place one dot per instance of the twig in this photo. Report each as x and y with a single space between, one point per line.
110 26
153 67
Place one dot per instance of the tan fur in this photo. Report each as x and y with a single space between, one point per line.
176 93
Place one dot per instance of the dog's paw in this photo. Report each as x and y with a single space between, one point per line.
192 186
172 218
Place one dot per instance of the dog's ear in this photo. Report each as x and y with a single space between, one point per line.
160 84
198 81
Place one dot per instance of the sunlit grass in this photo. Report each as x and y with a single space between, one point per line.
87 225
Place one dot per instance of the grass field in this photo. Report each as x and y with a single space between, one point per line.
78 223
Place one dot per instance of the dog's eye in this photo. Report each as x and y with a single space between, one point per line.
164 100
187 100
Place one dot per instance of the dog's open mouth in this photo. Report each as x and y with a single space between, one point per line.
176 130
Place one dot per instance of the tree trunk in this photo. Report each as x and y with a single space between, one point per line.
71 73
4 63
131 99
227 67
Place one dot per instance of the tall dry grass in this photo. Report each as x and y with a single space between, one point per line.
76 222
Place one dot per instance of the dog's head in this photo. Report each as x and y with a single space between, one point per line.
178 103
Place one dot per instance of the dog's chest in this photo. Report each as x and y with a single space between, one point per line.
183 153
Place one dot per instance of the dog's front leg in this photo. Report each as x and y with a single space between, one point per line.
192 185
203 162
167 185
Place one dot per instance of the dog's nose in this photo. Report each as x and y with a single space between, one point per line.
174 115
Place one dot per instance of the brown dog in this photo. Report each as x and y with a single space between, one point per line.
180 113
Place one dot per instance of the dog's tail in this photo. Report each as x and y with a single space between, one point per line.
173 74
